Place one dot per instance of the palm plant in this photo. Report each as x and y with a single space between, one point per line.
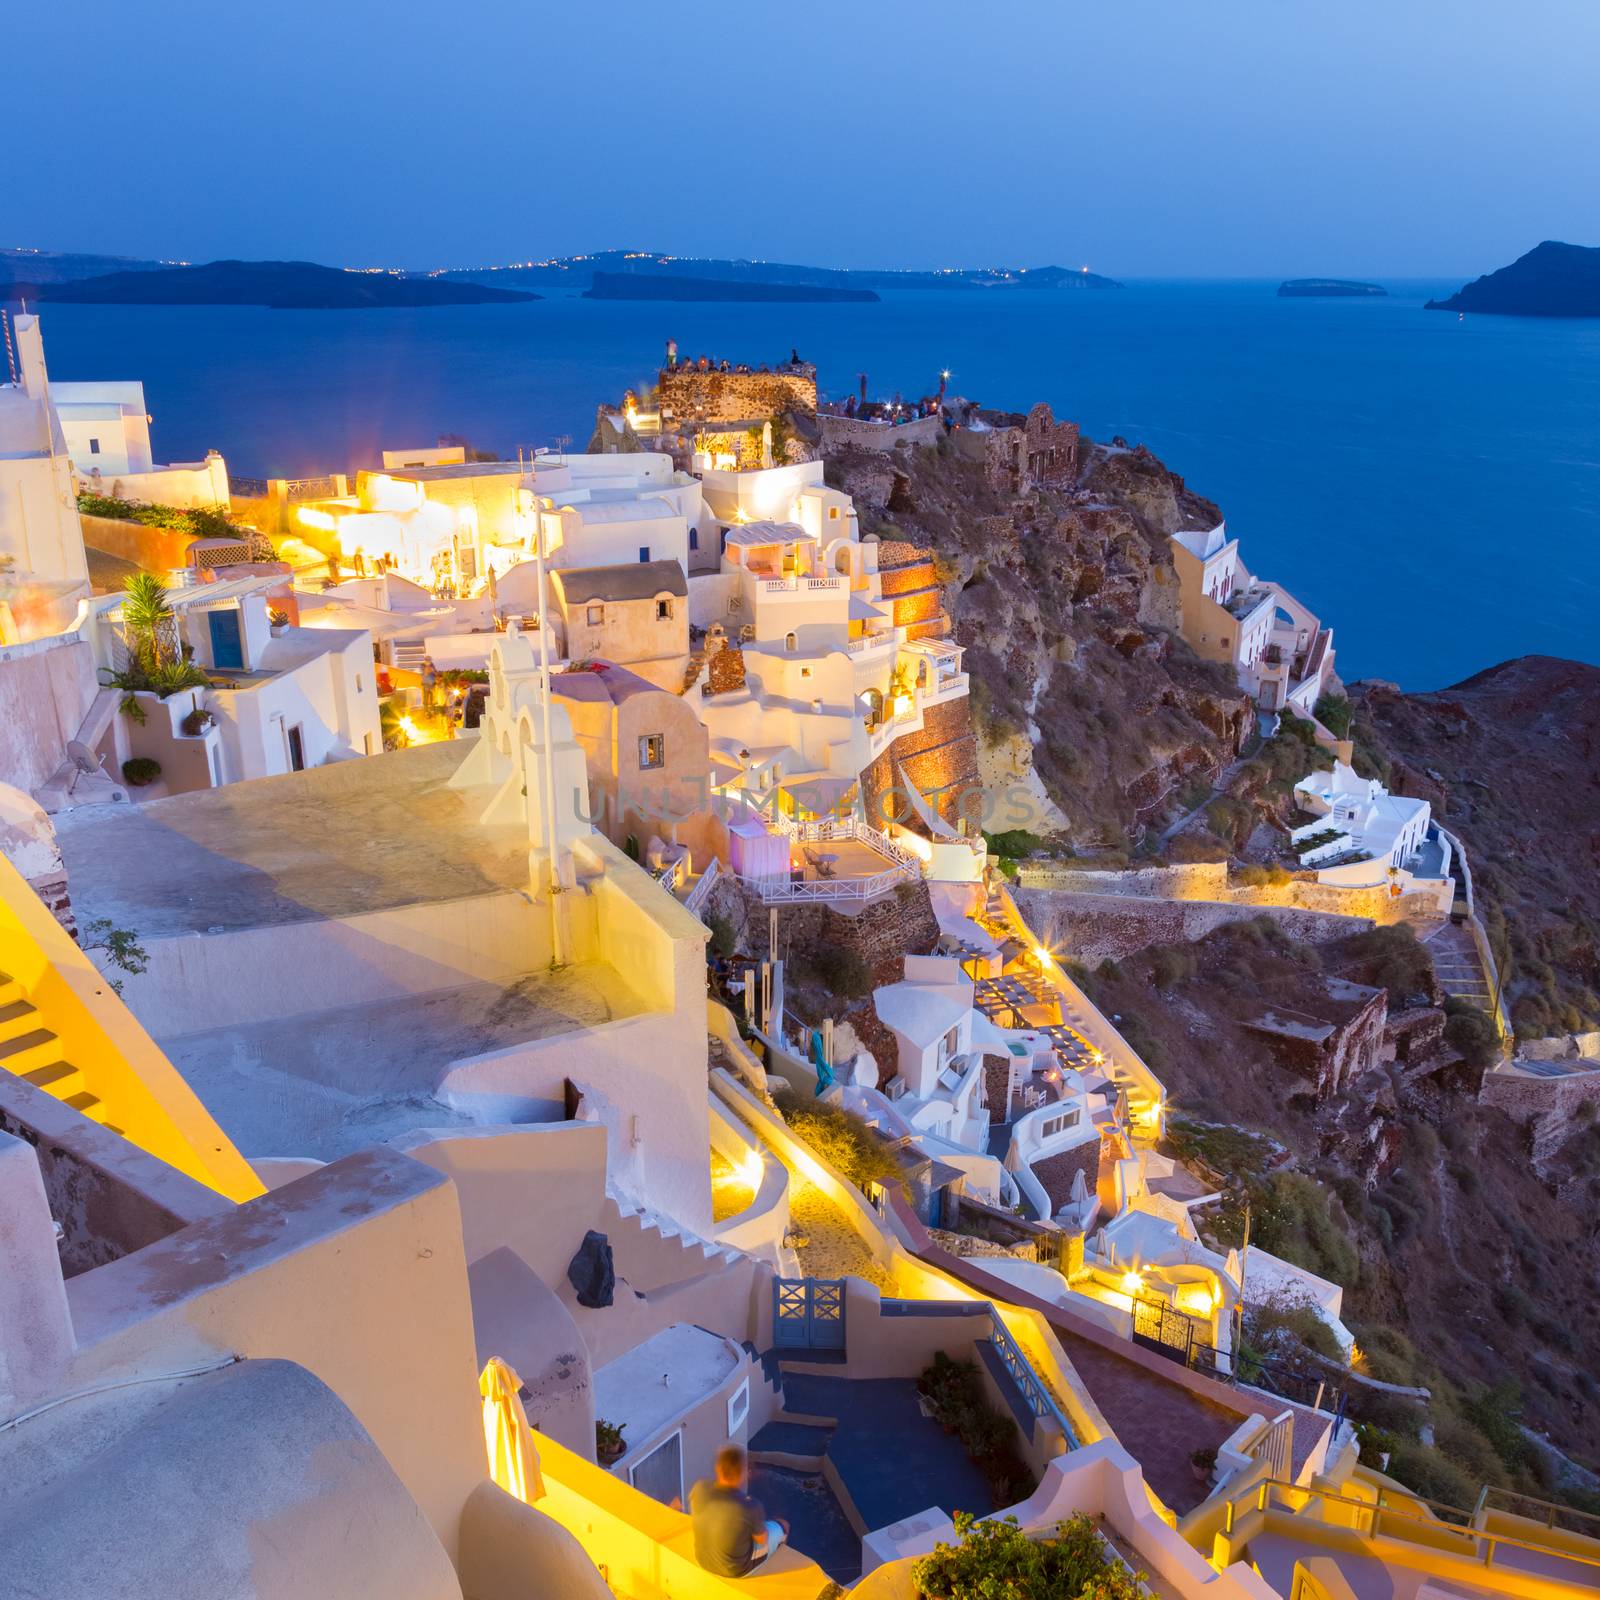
151 640
147 621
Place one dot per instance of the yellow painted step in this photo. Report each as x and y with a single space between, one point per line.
16 1016
60 1078
36 1048
88 1105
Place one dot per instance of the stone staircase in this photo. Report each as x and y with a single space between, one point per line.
35 1054
1457 964
692 1255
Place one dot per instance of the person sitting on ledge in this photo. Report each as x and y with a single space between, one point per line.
732 1533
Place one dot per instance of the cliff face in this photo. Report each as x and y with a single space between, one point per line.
1090 711
1551 280
1510 760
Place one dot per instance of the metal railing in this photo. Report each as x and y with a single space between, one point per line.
1399 1522
1035 1396
1511 1502
697 896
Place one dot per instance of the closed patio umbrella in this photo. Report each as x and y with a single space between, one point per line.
513 1460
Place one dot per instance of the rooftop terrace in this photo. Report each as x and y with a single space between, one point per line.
330 842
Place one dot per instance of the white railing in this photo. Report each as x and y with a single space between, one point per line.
774 890
885 846
1275 1446
794 585
694 901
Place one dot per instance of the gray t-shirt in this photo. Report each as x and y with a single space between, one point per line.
726 1522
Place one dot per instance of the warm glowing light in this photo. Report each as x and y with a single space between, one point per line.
1042 956
312 518
751 1168
1132 1282
1358 1356
902 705
1096 1055
409 728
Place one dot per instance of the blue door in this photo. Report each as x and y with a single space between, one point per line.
808 1313
227 642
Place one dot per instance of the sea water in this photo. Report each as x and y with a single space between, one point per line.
1429 486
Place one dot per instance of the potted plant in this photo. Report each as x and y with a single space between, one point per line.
996 1557
279 621
1202 1463
196 722
140 770
609 1445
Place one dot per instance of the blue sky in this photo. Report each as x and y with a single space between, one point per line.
1141 137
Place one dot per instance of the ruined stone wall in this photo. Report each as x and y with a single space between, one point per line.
1548 1107
1091 928
839 432
685 393
726 669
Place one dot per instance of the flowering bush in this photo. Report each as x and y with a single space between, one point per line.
996 1560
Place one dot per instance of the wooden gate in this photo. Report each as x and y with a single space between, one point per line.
808 1313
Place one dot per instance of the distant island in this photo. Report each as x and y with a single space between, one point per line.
1327 288
279 285
1551 280
35 267
641 286
578 273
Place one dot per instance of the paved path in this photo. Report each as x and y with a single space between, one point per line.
1224 778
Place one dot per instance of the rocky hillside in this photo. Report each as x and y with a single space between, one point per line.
1510 760
1092 714
1463 1272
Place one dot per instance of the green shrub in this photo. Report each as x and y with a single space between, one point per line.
1015 842
140 770
1333 712
998 1561
723 939
843 971
1432 1474
840 1137
1469 1032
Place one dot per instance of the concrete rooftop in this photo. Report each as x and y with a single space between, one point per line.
338 1081
330 842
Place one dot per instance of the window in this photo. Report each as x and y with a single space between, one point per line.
660 1474
663 611
366 744
738 1407
358 684
790 642
694 538
94 447
833 513
644 552
1054 1125
951 1040
652 751
805 672
597 615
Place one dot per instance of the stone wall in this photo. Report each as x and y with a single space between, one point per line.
1211 881
862 434
881 932
726 672
1091 928
1547 1106
1035 452
1056 1172
941 759
687 394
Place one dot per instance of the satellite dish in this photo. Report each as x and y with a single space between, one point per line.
82 757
